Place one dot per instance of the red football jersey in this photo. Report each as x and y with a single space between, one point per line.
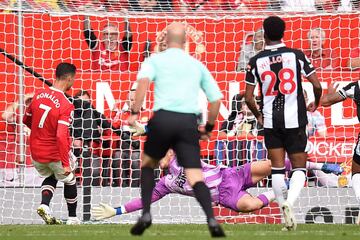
102 59
49 117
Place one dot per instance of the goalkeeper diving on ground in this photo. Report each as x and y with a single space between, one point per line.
228 186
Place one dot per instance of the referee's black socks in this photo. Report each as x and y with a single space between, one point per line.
147 186
202 195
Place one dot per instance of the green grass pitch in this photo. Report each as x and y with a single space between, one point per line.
177 231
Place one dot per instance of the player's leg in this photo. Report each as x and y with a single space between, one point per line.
297 181
187 149
70 195
260 170
201 191
147 183
325 167
235 181
276 142
329 179
202 195
279 186
158 142
48 187
70 191
156 146
147 180
248 203
298 176
296 141
355 169
276 154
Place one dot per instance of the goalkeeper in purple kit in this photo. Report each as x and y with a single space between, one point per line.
227 186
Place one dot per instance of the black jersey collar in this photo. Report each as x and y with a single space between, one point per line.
270 47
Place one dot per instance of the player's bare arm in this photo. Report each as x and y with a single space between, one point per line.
332 96
140 93
317 92
63 145
250 102
104 211
213 112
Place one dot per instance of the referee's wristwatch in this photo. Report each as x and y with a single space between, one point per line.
209 127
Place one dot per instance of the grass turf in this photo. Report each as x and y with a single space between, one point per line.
174 232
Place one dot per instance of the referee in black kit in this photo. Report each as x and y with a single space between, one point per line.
178 78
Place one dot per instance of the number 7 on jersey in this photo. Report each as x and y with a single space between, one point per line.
46 109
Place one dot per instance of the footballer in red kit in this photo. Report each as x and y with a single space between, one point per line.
49 116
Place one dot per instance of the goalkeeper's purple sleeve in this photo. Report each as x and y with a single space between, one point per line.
159 192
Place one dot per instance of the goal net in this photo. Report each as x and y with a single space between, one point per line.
108 44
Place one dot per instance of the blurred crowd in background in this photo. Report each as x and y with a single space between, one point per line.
183 5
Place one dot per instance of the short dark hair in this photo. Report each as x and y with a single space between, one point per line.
274 28
65 69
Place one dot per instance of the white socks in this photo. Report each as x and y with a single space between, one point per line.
313 165
297 182
356 186
279 185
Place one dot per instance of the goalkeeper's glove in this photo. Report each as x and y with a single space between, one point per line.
138 129
103 211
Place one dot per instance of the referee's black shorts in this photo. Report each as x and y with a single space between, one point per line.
293 140
174 130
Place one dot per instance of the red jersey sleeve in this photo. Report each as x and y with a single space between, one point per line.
63 135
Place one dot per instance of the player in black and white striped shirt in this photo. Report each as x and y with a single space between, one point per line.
352 90
279 71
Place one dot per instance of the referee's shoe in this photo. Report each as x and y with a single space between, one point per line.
215 228
142 224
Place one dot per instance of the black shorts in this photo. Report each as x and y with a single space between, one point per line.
174 130
293 140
